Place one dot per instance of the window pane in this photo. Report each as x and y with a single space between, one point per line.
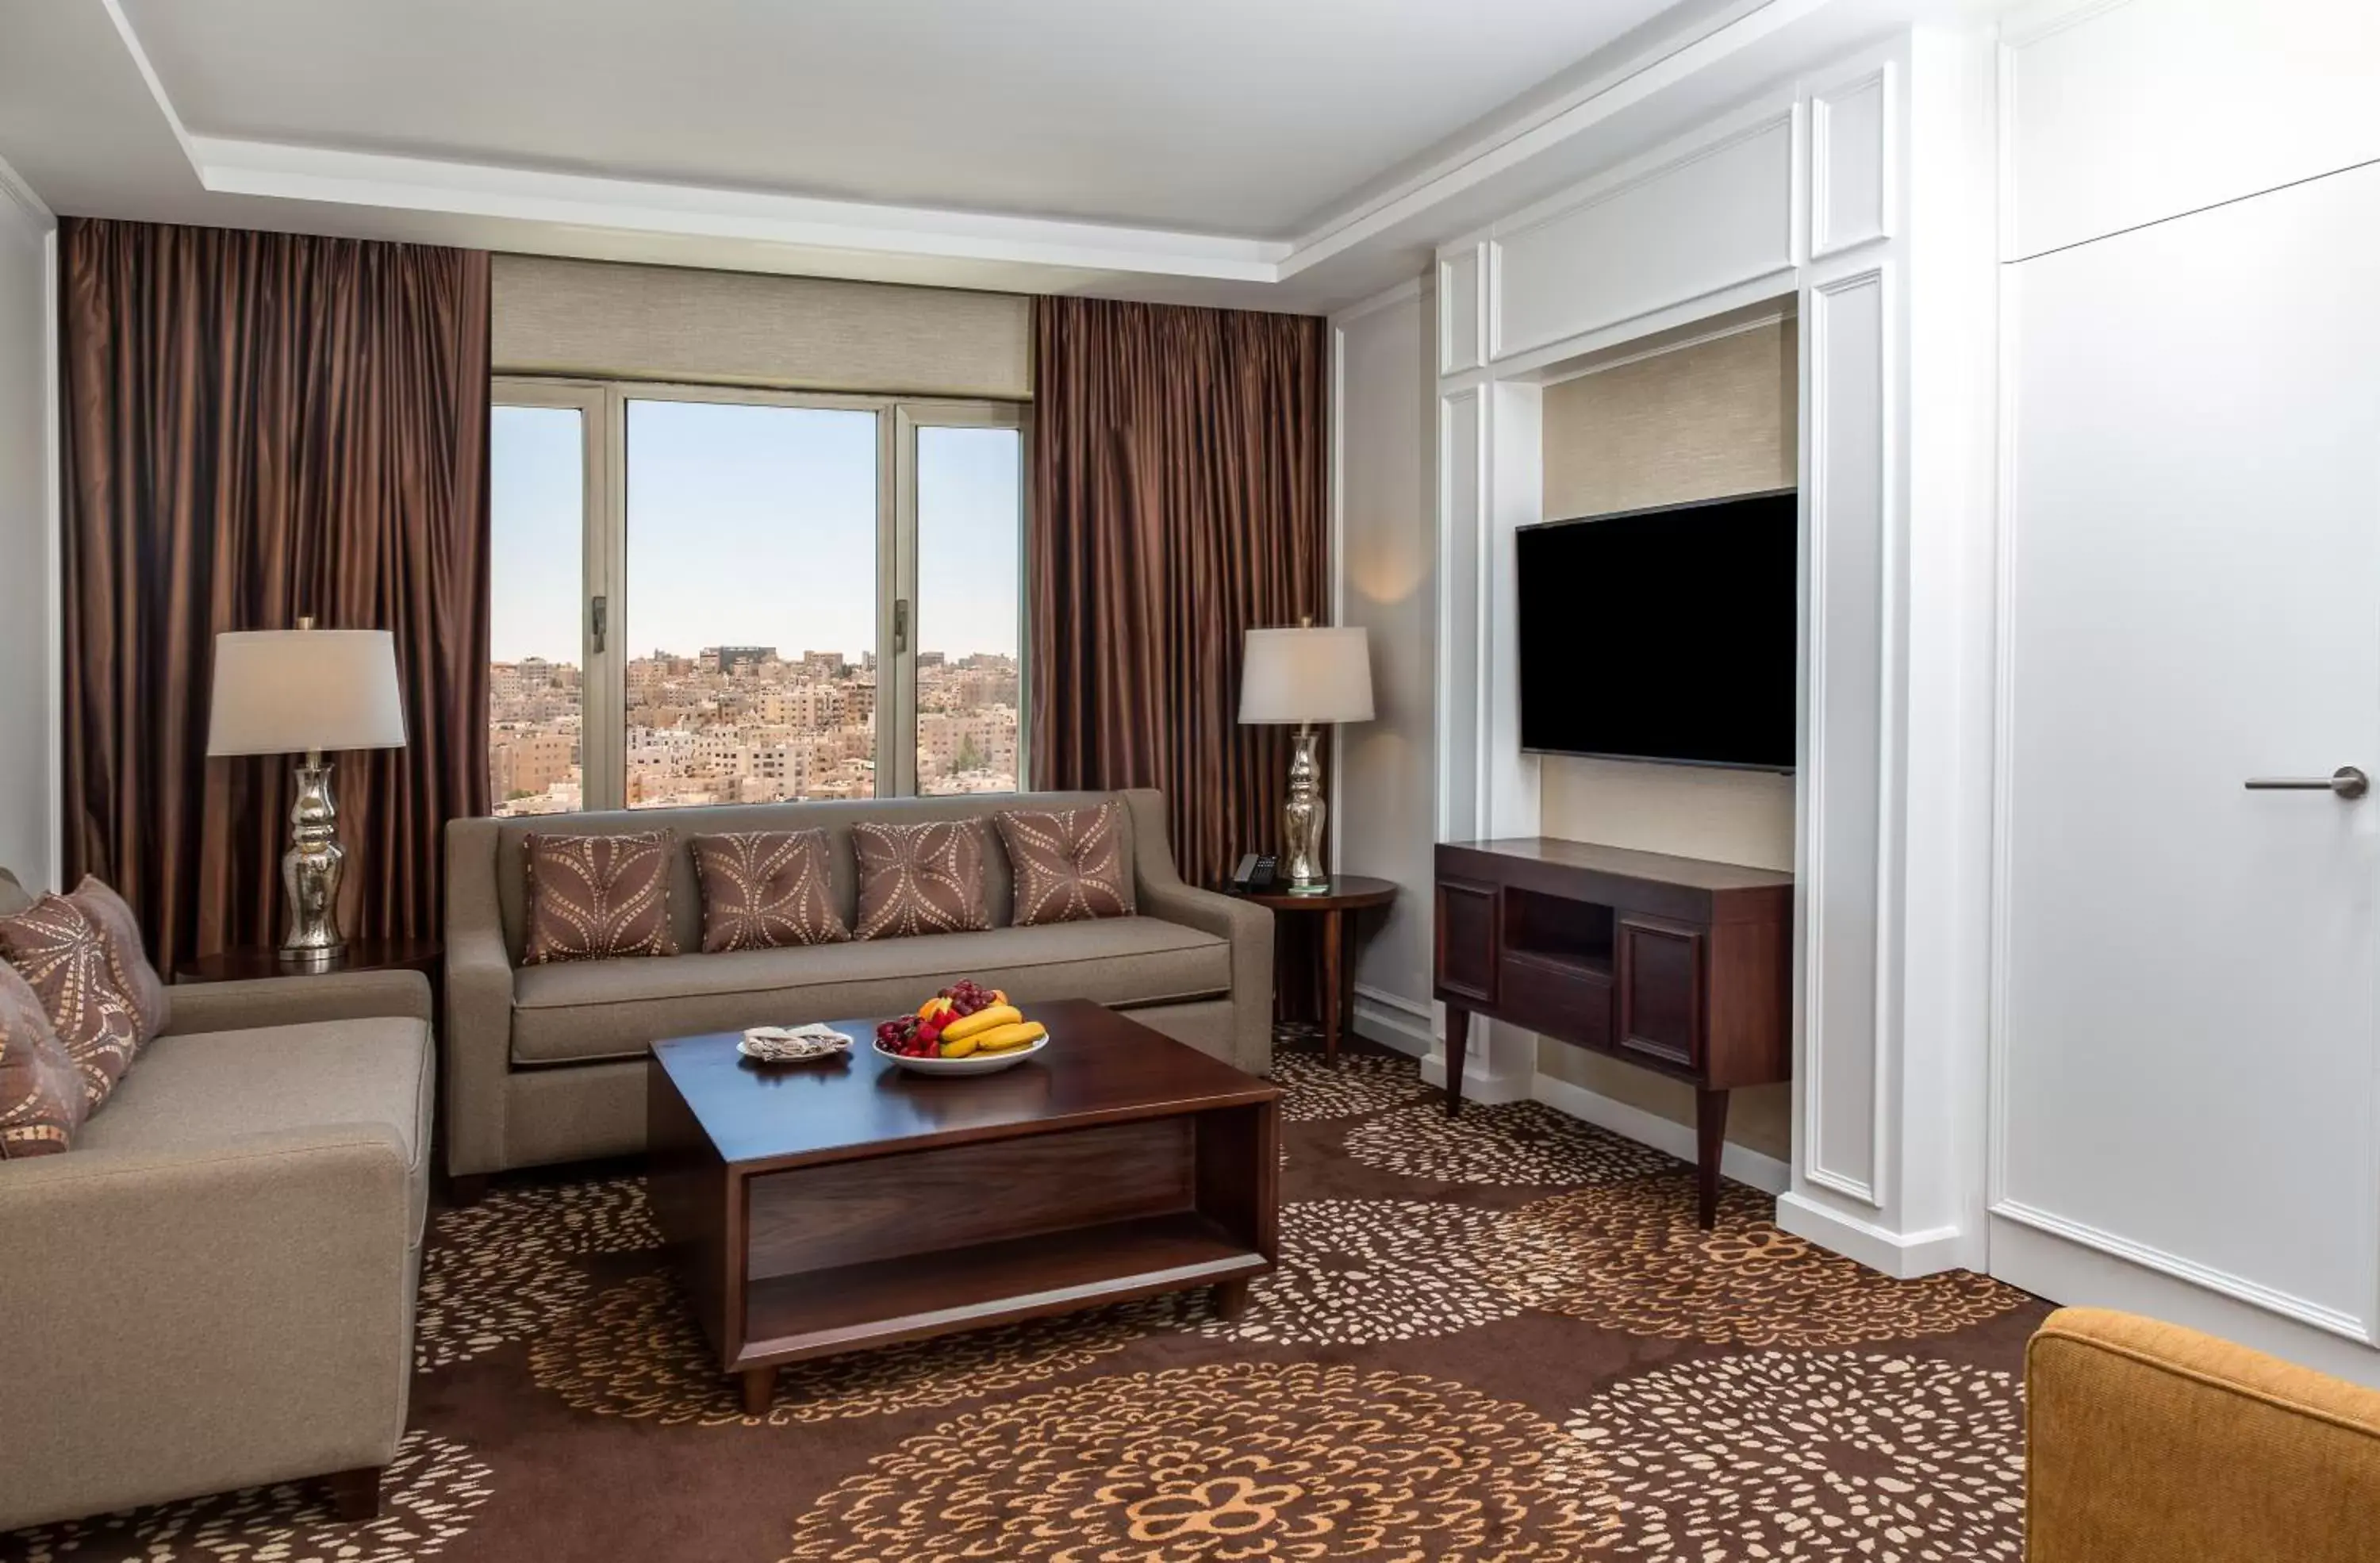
536 514
970 520
752 603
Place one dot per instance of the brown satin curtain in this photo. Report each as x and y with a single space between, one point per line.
1179 499
256 427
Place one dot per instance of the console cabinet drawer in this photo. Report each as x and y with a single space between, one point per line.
1567 1001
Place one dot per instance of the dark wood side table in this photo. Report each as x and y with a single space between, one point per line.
424 955
1336 909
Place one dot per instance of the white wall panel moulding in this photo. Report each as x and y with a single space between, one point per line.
1681 226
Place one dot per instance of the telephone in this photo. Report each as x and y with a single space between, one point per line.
1255 874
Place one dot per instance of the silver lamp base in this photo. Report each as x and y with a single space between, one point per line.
1301 820
311 871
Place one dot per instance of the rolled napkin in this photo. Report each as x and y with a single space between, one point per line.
792 1044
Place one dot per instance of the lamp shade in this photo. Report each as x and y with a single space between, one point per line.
1302 676
282 692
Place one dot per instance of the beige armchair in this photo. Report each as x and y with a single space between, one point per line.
215 1288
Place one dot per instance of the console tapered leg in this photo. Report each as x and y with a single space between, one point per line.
1457 1040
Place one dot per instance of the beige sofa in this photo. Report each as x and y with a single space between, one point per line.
215 1288
545 1063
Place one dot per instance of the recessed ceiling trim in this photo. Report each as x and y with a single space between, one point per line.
1571 116
260 168
436 186
149 75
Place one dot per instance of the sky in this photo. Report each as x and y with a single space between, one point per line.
750 525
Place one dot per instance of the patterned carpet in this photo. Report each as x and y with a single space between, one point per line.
1500 1339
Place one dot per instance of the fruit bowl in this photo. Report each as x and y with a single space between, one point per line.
964 1029
973 1063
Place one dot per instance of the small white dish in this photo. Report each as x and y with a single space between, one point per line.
793 1044
973 1063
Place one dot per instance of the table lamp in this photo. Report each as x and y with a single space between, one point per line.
1306 675
303 691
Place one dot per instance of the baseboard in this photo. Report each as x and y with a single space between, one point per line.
1901 1256
1745 1166
1395 1021
2069 1272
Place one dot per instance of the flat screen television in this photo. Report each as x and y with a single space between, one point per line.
1663 635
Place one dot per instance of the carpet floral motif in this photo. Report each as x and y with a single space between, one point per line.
1229 1460
1634 1257
1782 1455
427 1498
1363 1083
1516 1144
500 1270
1358 1271
635 1351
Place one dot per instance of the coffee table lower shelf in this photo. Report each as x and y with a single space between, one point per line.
817 1312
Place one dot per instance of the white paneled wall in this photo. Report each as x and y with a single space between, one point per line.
27 525
1713 215
1385 788
1801 194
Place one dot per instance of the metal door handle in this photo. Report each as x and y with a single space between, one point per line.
2348 781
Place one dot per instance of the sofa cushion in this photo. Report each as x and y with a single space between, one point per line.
1068 864
921 879
594 898
613 1010
765 889
127 958
63 956
217 1086
40 1094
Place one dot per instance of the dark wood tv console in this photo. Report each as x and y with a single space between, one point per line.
1678 966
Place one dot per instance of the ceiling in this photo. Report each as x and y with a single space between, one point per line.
1295 155
1221 116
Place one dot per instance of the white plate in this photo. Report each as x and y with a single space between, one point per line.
973 1063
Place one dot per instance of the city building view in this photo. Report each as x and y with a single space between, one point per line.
748 724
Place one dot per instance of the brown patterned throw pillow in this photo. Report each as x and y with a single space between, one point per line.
762 889
63 957
920 878
1069 864
594 897
127 959
40 1094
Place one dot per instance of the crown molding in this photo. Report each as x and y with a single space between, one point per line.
384 181
20 195
261 168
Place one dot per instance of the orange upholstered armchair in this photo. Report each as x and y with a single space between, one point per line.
2148 1443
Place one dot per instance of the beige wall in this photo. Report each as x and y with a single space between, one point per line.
1719 417
596 319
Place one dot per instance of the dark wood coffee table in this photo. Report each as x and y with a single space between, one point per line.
818 1208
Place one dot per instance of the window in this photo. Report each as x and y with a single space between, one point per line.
970 653
537 509
751 597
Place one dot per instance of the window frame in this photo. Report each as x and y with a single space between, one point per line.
603 409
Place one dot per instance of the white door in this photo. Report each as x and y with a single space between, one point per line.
2186 1072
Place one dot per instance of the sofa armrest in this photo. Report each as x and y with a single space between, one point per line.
266 1279
477 1035
194 1007
2147 1440
1162 892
